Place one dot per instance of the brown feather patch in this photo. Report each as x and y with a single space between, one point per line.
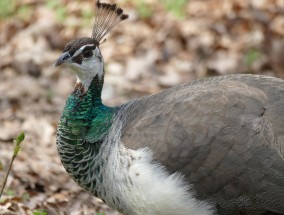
77 43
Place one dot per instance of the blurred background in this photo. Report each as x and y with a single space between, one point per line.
164 43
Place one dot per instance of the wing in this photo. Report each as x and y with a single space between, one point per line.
224 134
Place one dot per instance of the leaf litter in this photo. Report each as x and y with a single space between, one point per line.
157 48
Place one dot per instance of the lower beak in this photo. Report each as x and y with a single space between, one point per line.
62 59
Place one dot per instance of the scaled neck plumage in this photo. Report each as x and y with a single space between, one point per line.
83 126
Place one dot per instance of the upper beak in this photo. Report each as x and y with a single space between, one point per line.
62 59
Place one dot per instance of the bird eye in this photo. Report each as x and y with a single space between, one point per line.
87 53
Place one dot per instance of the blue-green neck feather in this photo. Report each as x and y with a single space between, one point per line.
83 126
85 114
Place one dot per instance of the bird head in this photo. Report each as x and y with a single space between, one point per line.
83 54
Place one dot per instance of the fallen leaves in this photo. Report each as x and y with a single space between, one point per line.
153 50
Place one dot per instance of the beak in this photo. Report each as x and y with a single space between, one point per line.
65 57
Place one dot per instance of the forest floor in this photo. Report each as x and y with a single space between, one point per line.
164 43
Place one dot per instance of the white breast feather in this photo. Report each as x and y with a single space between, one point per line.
152 191
142 186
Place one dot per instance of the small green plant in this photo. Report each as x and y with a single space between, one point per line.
87 15
24 12
49 95
10 192
176 7
40 212
251 56
144 11
17 148
6 8
15 9
26 196
58 8
100 213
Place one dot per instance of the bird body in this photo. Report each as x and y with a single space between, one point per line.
212 146
88 142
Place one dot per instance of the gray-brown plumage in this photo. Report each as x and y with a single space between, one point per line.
213 146
224 134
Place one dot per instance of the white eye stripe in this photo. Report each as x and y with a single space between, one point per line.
81 49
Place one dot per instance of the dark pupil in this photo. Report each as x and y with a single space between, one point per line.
87 53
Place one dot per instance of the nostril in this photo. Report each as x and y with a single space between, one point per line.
62 59
65 56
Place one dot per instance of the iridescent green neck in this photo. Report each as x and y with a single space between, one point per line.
85 116
83 126
80 103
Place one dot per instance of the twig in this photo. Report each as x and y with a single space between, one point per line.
17 148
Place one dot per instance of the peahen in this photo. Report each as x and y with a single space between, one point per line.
212 146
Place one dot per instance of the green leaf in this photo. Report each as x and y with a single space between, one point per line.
17 143
20 137
100 213
251 56
10 192
1 166
26 196
6 8
25 12
176 7
58 8
17 148
143 9
40 212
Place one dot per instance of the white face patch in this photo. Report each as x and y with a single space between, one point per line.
90 67
79 51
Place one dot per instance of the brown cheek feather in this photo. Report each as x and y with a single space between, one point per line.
78 59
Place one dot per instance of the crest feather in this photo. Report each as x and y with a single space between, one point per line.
107 16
